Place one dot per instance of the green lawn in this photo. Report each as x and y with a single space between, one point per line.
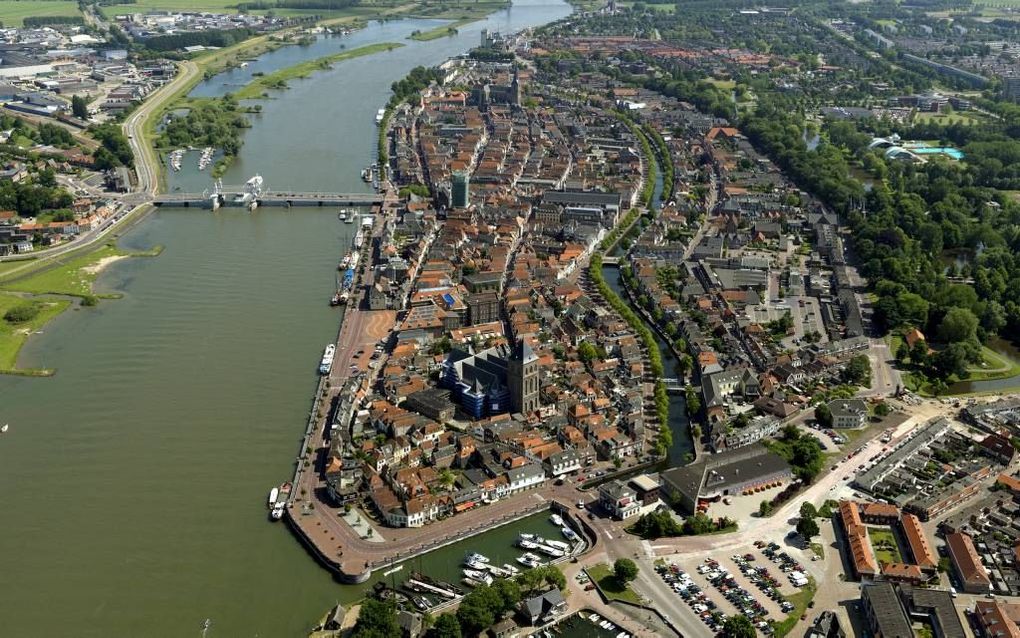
949 118
883 541
602 575
996 366
12 12
800 601
14 335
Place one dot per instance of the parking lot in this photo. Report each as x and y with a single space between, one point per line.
754 584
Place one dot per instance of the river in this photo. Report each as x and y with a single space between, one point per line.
134 480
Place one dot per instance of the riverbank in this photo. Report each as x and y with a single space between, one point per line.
50 290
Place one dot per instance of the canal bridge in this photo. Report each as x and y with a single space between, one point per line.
674 385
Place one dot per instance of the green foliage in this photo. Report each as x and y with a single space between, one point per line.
858 371
216 123
479 609
213 38
808 528
447 626
28 199
738 627
79 107
808 510
377 619
802 451
115 147
657 525
22 312
823 415
625 570
882 409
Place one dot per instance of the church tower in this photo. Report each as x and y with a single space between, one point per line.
522 377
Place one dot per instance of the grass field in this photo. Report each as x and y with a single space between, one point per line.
883 541
278 80
14 335
12 12
949 118
602 575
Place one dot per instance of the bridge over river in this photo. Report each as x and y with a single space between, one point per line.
252 195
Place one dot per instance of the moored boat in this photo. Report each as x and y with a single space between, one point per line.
273 495
326 364
474 556
556 520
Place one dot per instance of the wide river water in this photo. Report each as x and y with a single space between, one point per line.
134 480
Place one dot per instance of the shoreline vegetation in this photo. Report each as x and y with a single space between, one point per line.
258 88
29 302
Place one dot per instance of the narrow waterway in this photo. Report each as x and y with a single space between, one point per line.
678 422
135 479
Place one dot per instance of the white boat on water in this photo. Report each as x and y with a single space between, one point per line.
277 512
529 560
473 556
5 428
513 571
556 520
570 534
594 617
274 494
327 359
379 115
550 551
481 577
527 537
476 564
560 545
526 544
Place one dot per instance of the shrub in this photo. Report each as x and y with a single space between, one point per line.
22 313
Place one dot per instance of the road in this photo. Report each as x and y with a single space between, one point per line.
146 166
146 162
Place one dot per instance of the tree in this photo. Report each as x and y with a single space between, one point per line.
882 409
738 627
957 326
808 528
858 370
79 107
479 609
919 353
824 415
587 352
764 508
625 570
808 510
377 619
446 627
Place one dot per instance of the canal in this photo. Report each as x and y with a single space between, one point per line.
135 479
683 447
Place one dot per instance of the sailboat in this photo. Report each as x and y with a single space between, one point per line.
5 428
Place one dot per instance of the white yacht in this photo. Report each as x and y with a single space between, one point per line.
274 494
476 558
556 520
327 359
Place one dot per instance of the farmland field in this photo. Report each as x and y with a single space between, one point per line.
12 12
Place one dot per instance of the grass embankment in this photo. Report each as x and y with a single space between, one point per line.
602 575
277 80
800 601
75 276
13 13
441 31
72 276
